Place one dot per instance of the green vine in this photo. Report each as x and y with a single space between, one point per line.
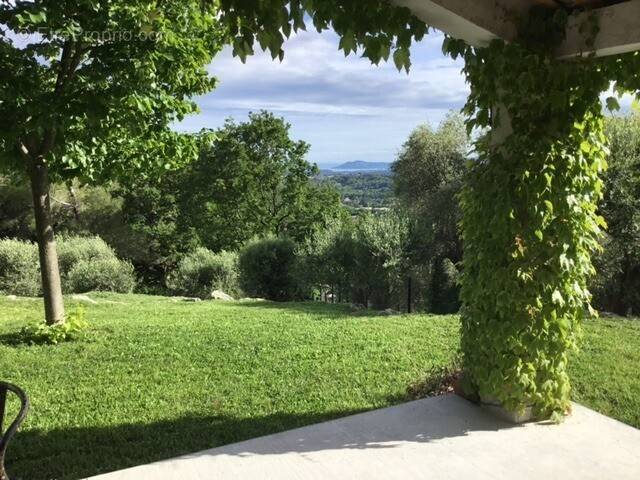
530 221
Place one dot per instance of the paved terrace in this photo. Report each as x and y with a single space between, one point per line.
441 438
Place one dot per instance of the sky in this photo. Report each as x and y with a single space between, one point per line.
344 107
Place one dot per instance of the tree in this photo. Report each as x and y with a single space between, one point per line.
254 181
617 285
150 208
427 177
92 95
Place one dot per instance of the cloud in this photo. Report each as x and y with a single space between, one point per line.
345 107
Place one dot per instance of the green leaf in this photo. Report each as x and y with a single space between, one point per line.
612 104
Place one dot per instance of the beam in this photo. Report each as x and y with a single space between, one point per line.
479 21
619 26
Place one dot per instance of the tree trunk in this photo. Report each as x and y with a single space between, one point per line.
51 285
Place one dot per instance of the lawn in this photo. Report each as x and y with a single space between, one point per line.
155 378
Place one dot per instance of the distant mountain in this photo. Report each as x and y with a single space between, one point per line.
362 166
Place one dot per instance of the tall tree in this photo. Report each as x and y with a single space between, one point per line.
89 88
617 285
427 177
254 180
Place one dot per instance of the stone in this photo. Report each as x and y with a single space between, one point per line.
220 295
12 297
356 307
83 298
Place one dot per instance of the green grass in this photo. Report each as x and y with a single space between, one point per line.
155 378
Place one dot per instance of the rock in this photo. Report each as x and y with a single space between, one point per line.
12 297
83 298
188 299
389 312
220 295
356 307
252 299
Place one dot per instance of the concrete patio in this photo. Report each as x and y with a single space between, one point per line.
441 437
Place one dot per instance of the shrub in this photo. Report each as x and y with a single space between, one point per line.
202 271
105 274
267 269
73 250
42 333
19 270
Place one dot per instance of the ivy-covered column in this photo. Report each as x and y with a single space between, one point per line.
529 221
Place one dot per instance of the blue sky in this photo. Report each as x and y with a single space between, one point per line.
346 108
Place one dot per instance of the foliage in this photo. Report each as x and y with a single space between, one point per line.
86 263
428 176
529 220
94 90
361 189
381 262
19 271
375 26
75 249
101 274
299 364
42 333
150 208
617 285
444 287
16 217
200 272
267 269
254 180
327 261
364 260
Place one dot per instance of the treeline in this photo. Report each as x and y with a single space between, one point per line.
249 218
252 181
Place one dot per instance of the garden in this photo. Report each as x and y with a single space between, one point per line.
164 292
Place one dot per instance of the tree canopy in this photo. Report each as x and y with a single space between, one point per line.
378 28
254 180
92 86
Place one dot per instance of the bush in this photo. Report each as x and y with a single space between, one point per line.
267 269
19 269
73 250
102 274
43 334
202 271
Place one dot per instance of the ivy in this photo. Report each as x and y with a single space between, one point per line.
530 221
376 28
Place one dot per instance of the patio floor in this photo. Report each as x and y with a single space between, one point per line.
441 438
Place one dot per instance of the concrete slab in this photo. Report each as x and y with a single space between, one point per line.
441 437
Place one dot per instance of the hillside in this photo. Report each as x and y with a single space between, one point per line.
363 166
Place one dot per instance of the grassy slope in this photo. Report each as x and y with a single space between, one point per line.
156 379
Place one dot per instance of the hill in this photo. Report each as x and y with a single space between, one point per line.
363 166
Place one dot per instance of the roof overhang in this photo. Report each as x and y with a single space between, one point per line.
480 21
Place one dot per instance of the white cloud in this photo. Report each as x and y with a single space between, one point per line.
345 107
